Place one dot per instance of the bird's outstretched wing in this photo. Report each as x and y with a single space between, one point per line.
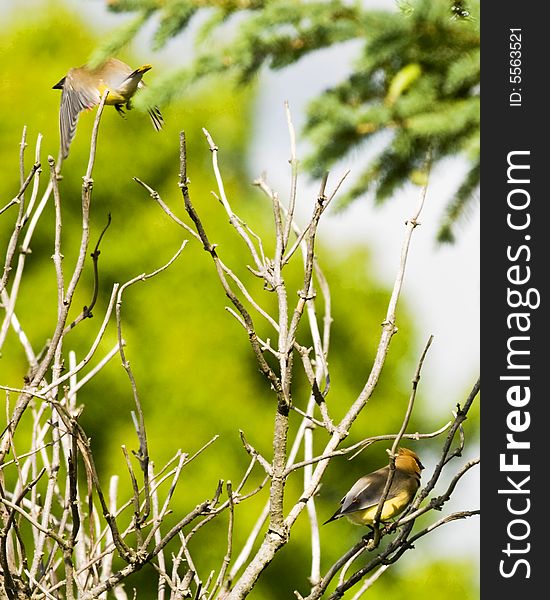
75 97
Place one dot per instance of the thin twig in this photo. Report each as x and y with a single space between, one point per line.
225 202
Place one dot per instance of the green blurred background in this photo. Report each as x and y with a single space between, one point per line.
195 372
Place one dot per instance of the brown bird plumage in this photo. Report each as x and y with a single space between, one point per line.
82 88
360 504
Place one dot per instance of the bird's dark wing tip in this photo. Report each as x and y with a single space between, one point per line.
335 516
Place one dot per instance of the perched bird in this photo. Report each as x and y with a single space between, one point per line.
83 87
360 504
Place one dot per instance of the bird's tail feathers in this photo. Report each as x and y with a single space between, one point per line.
156 117
140 70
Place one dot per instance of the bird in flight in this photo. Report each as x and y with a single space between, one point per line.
83 87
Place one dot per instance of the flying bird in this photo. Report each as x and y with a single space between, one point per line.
360 504
83 87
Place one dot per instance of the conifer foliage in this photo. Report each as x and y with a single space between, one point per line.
414 85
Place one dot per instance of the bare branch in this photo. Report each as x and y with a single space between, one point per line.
256 455
223 198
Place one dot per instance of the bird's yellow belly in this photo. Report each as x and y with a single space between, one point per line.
391 508
114 97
